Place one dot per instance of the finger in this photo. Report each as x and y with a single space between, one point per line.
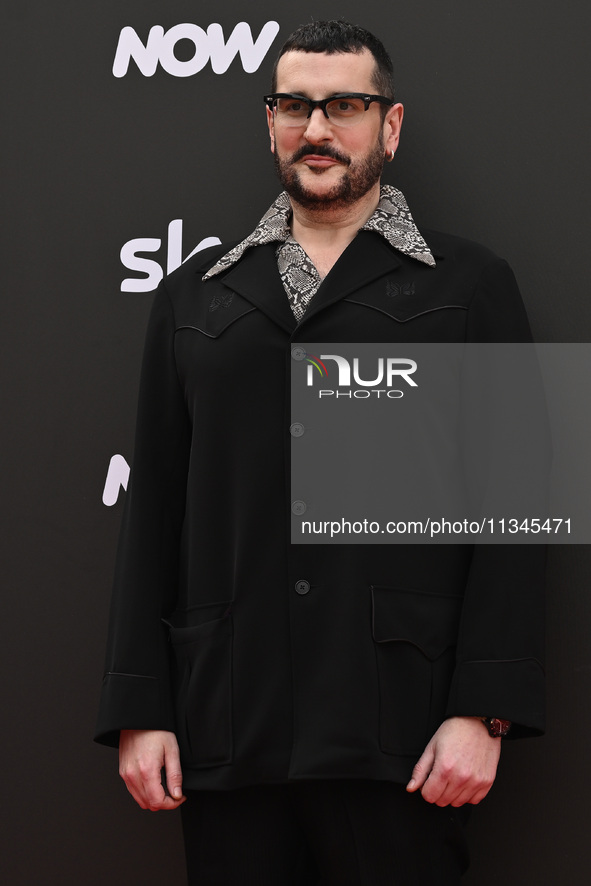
135 792
173 776
133 782
144 793
434 788
440 787
465 788
452 795
422 769
473 796
158 797
167 804
149 791
169 801
460 785
152 788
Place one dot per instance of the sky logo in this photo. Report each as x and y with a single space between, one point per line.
133 259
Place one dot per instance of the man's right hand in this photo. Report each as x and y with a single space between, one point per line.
142 756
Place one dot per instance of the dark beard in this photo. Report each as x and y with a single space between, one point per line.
355 183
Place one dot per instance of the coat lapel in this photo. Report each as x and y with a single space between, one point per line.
256 278
367 258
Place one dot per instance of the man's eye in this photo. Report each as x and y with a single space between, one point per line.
345 107
292 107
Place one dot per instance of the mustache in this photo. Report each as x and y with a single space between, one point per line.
320 151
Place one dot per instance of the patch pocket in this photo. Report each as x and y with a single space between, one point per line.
203 685
414 635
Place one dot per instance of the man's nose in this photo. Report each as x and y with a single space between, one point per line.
318 127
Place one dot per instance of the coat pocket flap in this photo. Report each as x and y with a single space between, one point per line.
198 621
428 621
404 313
405 307
214 313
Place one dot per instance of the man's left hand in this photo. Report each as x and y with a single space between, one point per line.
458 765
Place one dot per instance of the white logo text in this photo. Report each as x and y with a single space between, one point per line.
209 45
132 259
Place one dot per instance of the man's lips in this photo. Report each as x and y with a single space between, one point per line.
318 161
321 158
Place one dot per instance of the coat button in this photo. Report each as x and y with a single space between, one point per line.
296 429
298 508
298 354
302 587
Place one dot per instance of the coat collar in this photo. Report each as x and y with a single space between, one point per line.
256 278
392 220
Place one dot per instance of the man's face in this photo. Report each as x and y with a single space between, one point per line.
322 165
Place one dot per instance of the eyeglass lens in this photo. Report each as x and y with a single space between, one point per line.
341 111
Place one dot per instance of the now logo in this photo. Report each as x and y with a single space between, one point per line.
208 45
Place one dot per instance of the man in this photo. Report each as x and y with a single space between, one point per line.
337 708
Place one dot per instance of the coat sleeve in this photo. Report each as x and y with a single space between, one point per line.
136 687
500 653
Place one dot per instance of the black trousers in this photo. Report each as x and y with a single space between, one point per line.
322 833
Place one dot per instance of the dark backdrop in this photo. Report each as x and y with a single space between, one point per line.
495 147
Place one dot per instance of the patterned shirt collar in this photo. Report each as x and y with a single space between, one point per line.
392 219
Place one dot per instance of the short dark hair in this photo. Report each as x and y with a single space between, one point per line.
338 36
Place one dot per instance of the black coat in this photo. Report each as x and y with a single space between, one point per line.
208 635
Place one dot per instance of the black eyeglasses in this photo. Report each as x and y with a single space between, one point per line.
342 109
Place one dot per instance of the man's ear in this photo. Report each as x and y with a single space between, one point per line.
271 125
392 126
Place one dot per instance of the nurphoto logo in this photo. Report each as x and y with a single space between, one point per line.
387 371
